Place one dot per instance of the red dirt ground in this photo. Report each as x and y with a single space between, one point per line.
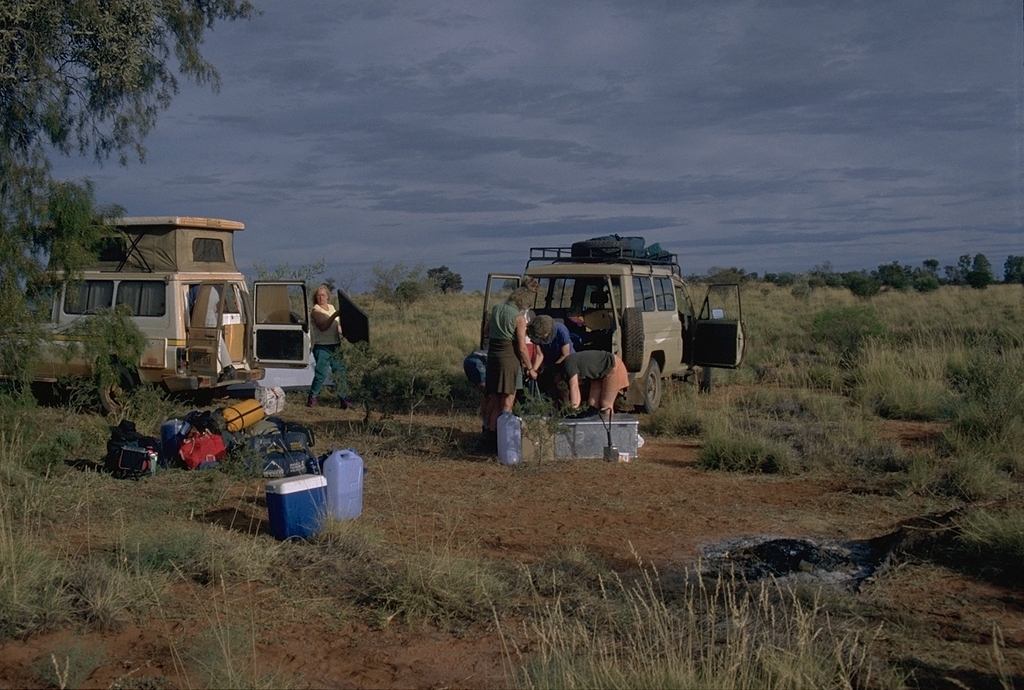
659 508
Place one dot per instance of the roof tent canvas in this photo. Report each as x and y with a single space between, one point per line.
172 243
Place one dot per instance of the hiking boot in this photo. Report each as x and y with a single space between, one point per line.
346 403
311 401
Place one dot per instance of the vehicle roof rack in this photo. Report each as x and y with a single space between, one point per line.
620 256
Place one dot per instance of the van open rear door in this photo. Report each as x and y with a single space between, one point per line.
206 327
499 287
718 339
280 329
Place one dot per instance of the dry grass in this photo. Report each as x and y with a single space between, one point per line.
78 548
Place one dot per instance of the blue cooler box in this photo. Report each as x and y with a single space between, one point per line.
297 505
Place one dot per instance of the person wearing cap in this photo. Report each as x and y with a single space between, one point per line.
554 344
607 376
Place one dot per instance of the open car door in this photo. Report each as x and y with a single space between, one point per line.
717 334
280 329
355 324
499 287
206 328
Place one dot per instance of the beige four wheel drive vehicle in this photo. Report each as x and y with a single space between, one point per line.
615 294
204 329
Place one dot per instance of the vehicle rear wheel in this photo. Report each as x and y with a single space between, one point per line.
653 387
112 396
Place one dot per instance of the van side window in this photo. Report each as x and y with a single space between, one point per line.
39 302
88 297
664 294
643 295
207 249
143 297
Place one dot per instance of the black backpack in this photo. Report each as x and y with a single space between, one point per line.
131 455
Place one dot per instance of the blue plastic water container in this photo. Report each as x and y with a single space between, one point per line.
296 505
510 439
343 470
171 433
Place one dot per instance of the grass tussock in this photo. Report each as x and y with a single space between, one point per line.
742 453
908 383
994 541
200 552
68 666
681 414
440 585
720 635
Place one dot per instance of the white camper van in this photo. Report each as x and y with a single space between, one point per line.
203 328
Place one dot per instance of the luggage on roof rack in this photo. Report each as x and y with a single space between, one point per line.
609 247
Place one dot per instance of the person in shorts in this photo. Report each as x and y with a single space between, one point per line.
607 376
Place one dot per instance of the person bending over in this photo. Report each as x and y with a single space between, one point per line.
607 376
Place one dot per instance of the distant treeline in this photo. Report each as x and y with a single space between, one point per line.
974 271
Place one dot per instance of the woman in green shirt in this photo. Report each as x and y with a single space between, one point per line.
506 353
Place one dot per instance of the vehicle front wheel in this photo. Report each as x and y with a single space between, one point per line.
653 387
112 396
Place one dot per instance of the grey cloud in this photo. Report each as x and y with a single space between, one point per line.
427 202
577 227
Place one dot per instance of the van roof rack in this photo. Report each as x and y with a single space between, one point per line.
620 256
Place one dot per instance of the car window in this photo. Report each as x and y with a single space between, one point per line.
643 293
207 249
556 292
664 295
39 302
143 297
88 297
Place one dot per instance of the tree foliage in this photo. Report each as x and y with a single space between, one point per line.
398 284
1013 269
980 275
444 280
861 284
82 77
894 275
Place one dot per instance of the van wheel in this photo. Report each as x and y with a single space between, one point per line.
112 397
653 387
633 339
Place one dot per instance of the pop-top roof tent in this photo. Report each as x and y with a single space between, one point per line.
149 244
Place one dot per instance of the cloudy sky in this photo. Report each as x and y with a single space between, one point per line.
771 135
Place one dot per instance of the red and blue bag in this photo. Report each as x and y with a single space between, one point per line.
202 451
